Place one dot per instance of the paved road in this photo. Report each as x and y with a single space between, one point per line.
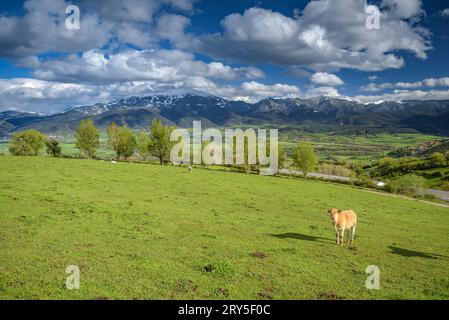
314 175
443 195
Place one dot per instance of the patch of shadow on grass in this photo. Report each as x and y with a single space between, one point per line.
300 236
410 253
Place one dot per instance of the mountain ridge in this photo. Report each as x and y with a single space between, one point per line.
179 109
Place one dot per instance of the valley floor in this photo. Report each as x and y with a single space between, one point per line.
139 231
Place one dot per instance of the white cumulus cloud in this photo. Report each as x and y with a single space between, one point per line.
429 83
326 79
326 35
164 65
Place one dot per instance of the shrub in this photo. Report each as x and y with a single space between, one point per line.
429 197
432 175
438 174
342 171
438 159
364 182
388 188
356 167
408 185
336 170
26 143
445 186
326 168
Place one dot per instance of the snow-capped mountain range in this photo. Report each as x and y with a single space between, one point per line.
181 108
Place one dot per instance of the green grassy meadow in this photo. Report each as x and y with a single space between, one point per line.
140 231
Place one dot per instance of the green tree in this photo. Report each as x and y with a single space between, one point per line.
26 143
121 140
160 145
282 158
87 138
143 144
247 166
112 142
247 146
127 142
53 148
304 157
438 159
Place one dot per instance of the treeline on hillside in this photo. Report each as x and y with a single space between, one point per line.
127 144
408 175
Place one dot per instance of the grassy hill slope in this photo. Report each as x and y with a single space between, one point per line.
149 232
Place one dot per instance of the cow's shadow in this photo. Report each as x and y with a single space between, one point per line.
411 253
300 236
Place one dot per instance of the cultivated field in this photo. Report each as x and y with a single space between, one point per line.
141 231
357 147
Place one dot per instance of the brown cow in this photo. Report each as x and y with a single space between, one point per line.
343 220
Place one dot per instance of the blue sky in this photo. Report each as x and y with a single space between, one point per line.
241 50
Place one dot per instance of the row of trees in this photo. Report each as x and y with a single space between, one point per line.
125 143
121 139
